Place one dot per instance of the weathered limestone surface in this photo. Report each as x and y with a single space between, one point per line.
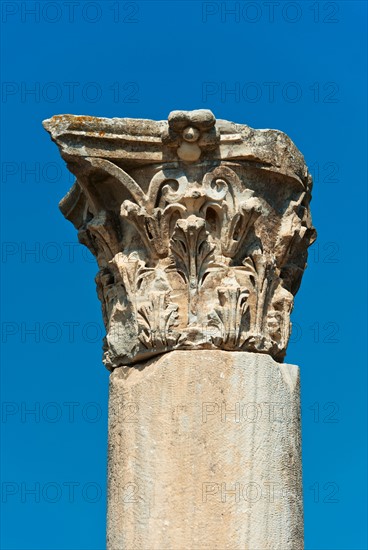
204 453
200 228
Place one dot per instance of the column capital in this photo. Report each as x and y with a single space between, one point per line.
200 228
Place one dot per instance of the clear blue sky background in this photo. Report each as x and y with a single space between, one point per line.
144 61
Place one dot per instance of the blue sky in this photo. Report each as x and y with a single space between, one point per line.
294 66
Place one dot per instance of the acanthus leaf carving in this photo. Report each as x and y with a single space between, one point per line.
157 319
229 316
200 229
192 254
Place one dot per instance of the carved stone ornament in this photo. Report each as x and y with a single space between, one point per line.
200 229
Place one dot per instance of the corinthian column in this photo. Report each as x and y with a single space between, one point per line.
200 228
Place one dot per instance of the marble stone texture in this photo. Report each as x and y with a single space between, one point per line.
200 228
204 454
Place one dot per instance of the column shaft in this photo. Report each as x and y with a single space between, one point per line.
204 453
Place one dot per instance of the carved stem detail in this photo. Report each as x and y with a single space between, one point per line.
192 254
